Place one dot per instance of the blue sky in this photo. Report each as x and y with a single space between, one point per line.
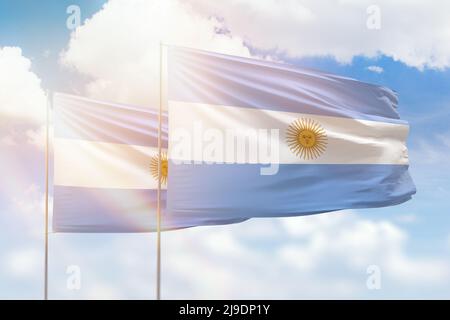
38 27
123 265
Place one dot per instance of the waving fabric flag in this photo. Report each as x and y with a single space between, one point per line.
251 138
105 166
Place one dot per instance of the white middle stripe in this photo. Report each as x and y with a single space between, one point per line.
349 141
83 163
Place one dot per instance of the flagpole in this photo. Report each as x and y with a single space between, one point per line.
46 197
158 209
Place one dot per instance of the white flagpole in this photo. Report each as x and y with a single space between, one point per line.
158 208
46 196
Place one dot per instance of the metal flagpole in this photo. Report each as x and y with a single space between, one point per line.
46 196
158 207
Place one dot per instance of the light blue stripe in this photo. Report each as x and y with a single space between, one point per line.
84 210
204 77
202 192
86 119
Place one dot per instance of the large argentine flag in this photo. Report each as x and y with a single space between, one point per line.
251 138
105 166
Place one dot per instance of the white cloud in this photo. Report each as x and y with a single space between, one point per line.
112 266
22 100
28 206
7 140
119 46
434 150
21 95
47 53
23 263
30 201
22 114
322 256
376 69
359 241
38 136
338 28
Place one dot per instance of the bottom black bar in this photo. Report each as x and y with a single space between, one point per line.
228 309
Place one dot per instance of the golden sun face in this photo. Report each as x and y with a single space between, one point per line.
306 138
164 167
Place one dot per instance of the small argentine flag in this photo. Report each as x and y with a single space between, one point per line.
106 166
250 138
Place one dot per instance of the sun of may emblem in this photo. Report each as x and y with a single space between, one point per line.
306 138
164 167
